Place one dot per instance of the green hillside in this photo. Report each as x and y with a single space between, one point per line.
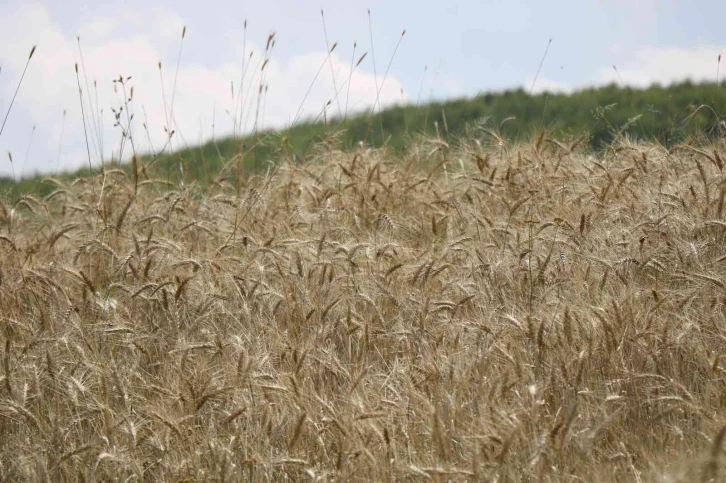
664 114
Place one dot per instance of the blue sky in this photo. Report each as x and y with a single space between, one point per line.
467 47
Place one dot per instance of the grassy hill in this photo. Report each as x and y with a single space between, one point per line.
664 114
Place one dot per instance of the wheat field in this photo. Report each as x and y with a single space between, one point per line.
480 311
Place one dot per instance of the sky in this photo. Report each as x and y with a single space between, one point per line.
449 50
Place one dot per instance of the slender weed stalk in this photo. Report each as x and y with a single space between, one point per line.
373 52
536 76
27 151
12 167
20 82
420 88
385 76
342 86
375 77
60 142
625 89
95 123
248 97
350 76
539 68
240 89
85 130
299 112
330 60
176 73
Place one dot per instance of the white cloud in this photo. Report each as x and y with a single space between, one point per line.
168 24
544 84
133 47
648 65
98 28
665 65
449 85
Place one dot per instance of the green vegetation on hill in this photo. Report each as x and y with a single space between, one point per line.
663 114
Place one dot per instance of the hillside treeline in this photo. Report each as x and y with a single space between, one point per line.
666 115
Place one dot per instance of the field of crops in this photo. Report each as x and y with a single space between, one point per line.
483 311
